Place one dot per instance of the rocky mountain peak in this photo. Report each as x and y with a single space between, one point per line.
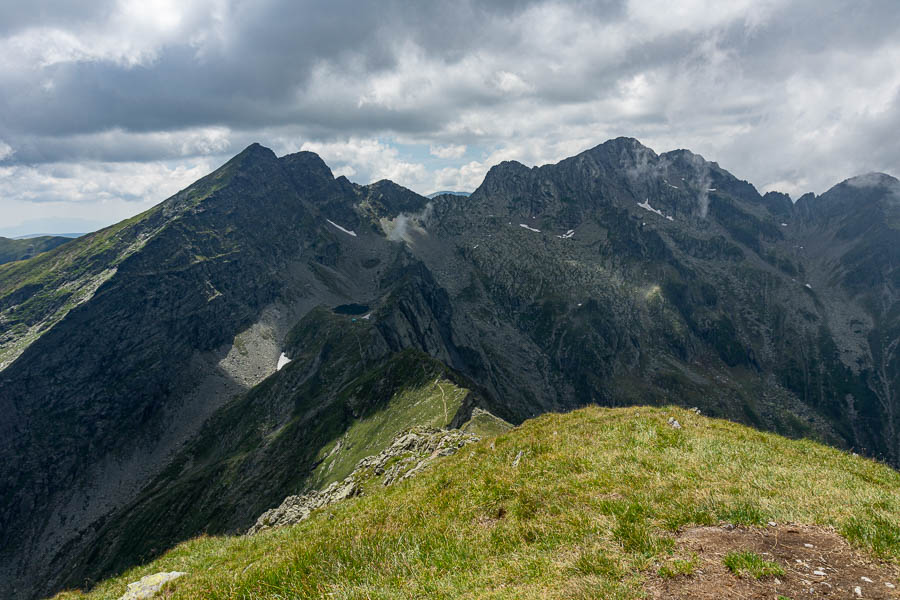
306 164
255 153
390 199
505 175
619 153
865 188
621 144
873 180
871 197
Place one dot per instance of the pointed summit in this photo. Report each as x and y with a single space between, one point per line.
505 175
620 150
255 152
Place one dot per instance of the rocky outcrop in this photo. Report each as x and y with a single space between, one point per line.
148 586
409 454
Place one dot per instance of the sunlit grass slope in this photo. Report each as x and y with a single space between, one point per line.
587 511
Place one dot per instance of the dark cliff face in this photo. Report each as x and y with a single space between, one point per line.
139 362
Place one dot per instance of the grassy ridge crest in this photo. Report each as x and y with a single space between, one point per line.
575 505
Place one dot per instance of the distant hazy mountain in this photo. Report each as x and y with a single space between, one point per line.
183 371
52 225
19 249
436 194
34 235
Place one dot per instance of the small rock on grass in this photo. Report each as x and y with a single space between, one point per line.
147 587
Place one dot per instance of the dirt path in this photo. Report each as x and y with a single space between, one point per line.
817 563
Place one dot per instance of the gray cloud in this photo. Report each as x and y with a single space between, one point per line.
792 95
15 16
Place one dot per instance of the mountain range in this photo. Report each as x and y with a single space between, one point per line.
256 334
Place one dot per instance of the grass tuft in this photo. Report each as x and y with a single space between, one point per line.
746 563
679 567
875 532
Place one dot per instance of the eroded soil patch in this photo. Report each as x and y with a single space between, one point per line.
817 563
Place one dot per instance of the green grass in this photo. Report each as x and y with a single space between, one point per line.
433 403
746 563
589 511
484 424
678 567
13 250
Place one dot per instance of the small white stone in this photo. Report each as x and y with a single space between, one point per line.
890 585
866 579
858 591
808 545
819 572
773 524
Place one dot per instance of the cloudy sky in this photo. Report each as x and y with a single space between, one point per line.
109 106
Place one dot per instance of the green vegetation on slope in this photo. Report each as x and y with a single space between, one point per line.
13 250
37 293
430 403
580 505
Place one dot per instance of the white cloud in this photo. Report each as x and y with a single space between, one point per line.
464 178
371 160
510 83
131 34
6 150
345 170
105 192
449 151
658 17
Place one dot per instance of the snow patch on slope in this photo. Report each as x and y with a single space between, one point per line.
646 206
347 231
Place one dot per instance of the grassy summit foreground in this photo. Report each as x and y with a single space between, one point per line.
578 505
